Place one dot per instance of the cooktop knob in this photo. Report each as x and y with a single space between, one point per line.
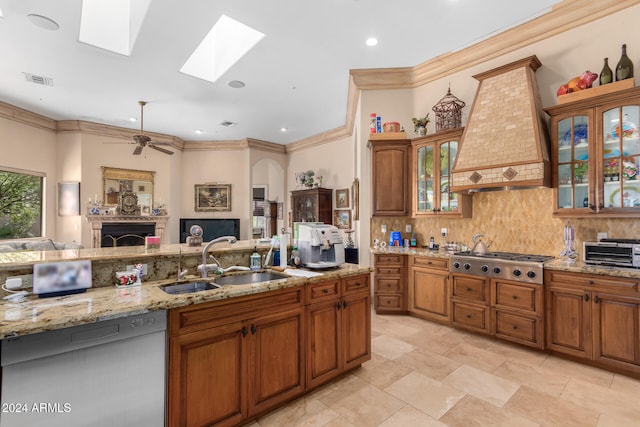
497 270
517 272
456 265
531 274
467 266
484 268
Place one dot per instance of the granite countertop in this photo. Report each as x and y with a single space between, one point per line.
441 253
42 314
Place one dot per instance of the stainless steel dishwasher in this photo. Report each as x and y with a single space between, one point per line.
108 373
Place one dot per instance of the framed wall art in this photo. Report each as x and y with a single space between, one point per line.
212 197
342 198
342 219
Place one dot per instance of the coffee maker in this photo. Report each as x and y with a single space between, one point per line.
320 245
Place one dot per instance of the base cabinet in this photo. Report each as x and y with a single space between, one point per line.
470 303
429 288
390 294
517 312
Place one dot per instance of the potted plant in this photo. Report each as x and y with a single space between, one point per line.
420 124
305 178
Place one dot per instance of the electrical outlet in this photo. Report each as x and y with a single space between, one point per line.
144 269
445 232
602 236
408 228
384 228
27 281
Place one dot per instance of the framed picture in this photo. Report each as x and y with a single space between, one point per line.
342 198
355 189
280 210
212 197
342 219
68 198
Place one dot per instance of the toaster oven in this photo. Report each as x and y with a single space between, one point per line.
613 252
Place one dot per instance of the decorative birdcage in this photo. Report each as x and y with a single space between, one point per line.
448 112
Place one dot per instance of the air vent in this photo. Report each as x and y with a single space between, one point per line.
227 123
41 80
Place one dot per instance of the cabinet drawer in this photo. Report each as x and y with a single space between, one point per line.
521 329
354 284
519 296
389 259
388 302
470 316
389 271
590 282
470 288
323 291
428 262
388 285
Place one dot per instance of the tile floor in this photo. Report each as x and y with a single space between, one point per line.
425 374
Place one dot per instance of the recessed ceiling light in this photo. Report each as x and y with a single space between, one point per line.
236 84
283 129
43 22
372 41
227 123
133 119
198 131
227 42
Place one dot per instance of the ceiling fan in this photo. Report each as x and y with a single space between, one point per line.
143 140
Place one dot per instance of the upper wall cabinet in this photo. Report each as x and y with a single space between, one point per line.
596 156
390 177
432 160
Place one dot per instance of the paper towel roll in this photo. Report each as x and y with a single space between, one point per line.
284 241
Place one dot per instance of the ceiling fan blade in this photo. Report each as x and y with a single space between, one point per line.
138 149
163 150
141 139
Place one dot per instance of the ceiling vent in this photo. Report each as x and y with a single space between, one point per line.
227 123
41 80
505 144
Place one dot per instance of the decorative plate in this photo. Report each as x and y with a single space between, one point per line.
196 230
580 134
629 129
128 203
630 192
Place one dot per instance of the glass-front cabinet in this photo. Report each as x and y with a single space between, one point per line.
433 158
596 155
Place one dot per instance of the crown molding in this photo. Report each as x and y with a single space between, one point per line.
20 115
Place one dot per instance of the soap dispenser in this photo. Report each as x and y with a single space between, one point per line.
255 260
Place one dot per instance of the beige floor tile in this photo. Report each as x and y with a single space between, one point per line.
429 364
390 347
369 406
579 371
338 422
382 372
477 340
603 399
339 389
546 380
395 329
482 385
304 412
430 396
519 353
474 356
410 416
548 410
474 412
435 341
615 420
627 384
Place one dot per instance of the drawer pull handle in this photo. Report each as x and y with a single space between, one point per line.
326 291
515 297
338 305
345 304
388 302
468 289
244 331
586 297
515 326
357 283
253 329
590 282
468 316
596 299
429 262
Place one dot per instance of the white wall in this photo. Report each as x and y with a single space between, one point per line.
69 167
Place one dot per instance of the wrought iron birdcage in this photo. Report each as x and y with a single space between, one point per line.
448 112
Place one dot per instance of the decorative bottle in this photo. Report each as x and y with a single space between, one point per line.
624 69
606 75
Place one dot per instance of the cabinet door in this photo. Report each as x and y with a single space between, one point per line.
390 173
429 294
207 377
356 329
568 321
324 329
276 367
616 334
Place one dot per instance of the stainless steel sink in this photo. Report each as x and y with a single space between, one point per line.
189 287
247 278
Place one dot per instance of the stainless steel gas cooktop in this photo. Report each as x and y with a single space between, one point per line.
503 265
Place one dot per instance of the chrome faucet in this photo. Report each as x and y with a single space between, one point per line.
204 267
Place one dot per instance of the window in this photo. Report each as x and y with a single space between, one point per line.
20 203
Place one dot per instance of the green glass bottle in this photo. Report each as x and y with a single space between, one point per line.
624 69
606 75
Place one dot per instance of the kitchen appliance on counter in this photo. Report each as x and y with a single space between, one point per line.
500 265
320 245
613 252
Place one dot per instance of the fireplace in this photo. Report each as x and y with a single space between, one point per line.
125 234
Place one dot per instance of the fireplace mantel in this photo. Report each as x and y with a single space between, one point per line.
96 222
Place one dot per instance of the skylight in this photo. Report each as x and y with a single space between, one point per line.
227 42
112 24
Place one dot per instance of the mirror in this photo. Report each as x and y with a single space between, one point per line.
268 195
117 181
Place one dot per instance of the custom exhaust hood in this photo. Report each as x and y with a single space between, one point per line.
505 144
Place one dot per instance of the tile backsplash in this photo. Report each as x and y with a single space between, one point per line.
516 220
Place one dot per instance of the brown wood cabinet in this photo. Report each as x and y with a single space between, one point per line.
517 312
594 317
470 303
312 205
432 159
595 165
429 288
390 283
230 360
390 177
339 327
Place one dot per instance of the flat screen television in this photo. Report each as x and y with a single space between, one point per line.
211 227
